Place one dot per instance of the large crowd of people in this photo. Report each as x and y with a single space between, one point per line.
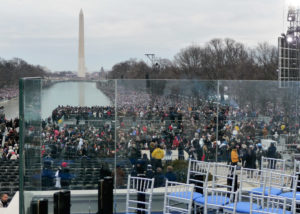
8 93
85 113
158 125
9 138
172 123
76 140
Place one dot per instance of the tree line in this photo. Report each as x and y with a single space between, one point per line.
223 59
12 70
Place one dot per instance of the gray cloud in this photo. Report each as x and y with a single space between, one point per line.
45 32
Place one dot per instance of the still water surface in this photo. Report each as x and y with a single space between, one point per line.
64 93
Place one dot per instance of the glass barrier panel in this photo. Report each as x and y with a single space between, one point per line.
30 140
161 124
69 136
256 115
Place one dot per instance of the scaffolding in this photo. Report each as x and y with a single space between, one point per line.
289 51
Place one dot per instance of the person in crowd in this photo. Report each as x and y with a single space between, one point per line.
58 178
180 151
104 171
259 154
158 154
205 153
168 156
120 176
3 200
243 154
145 161
47 177
65 175
271 153
13 156
170 175
133 171
159 178
149 171
234 157
250 158
134 154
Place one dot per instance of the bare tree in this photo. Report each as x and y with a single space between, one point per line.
266 59
189 61
223 59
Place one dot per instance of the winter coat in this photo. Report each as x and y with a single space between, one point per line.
234 156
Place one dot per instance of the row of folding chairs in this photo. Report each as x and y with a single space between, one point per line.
214 186
177 197
270 184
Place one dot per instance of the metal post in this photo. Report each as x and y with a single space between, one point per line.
217 125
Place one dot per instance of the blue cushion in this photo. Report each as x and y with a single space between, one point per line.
186 195
270 210
243 207
290 195
197 195
219 200
258 191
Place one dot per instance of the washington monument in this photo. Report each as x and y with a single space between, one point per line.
81 60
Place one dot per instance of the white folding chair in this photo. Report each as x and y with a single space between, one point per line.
219 200
291 186
224 177
198 172
178 198
137 188
272 164
270 205
280 183
253 181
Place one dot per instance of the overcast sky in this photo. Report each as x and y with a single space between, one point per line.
45 32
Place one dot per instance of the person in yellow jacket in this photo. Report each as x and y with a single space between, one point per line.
158 154
234 157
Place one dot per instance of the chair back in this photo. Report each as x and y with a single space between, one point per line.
270 205
252 180
224 176
272 164
198 172
139 194
178 197
282 181
219 199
